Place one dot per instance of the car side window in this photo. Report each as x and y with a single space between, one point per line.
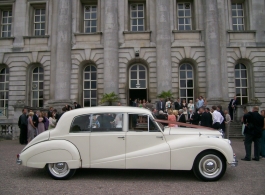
138 122
80 124
107 122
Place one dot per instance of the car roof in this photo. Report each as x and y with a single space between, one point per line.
108 109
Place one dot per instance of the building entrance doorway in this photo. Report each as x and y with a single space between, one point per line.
139 94
137 83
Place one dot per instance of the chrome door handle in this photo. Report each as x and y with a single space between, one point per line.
121 137
159 137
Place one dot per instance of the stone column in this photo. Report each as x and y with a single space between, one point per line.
163 49
61 54
111 52
212 50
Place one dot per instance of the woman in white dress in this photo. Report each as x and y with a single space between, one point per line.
118 121
52 121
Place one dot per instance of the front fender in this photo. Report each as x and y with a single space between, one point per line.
40 154
185 150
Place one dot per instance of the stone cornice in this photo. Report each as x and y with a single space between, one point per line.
36 37
96 33
136 32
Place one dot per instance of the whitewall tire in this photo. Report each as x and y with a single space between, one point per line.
60 170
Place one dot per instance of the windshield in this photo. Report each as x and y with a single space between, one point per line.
160 125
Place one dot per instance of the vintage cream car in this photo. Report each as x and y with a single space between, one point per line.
111 137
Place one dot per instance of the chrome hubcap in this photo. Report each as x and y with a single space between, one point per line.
210 166
59 169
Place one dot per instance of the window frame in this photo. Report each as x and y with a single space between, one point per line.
6 24
5 90
187 98
241 87
138 79
35 23
32 99
31 14
137 18
84 20
238 17
184 17
89 80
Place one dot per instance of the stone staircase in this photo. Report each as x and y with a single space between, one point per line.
235 130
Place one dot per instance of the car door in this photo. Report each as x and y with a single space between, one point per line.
146 147
107 141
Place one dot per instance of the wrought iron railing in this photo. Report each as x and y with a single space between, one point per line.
6 130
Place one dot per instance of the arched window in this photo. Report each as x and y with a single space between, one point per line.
4 88
186 82
241 83
90 86
138 77
37 87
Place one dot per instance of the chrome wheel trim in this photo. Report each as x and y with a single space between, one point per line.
59 170
210 166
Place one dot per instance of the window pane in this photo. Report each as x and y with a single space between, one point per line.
93 94
190 93
134 28
37 11
41 94
93 102
88 30
244 92
141 67
87 16
140 7
133 75
87 85
188 27
140 14
87 76
86 93
187 13
2 78
181 13
134 67
2 86
239 6
7 86
93 23
93 68
238 92
93 84
181 27
134 14
187 20
190 83
142 84
35 94
234 13
244 82
183 93
244 100
41 85
142 75
133 83
140 28
237 74
35 77
140 22
93 76
180 6
134 22
35 103
237 82
42 11
94 15
240 20
182 75
183 83
189 74
243 74
86 103
181 20
240 13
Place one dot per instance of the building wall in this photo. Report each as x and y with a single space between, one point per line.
23 51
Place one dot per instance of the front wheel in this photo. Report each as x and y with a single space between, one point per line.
209 166
60 170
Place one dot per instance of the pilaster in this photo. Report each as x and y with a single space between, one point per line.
163 40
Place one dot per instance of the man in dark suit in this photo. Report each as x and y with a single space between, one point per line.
50 112
206 118
134 104
161 116
77 105
177 104
22 123
160 105
182 118
194 118
232 107
254 123
35 118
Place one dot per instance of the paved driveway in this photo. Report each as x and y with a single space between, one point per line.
248 178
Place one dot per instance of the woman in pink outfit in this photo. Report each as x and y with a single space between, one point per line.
171 117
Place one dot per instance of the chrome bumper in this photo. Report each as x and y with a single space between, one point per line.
234 163
19 162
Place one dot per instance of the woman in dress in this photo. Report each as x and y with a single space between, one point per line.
171 117
41 127
190 107
31 127
52 121
176 113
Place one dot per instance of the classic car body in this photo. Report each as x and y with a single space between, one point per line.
110 137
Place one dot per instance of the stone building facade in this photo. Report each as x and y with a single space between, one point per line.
54 52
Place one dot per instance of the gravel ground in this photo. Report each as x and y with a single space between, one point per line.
248 178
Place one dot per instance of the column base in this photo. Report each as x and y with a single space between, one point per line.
58 104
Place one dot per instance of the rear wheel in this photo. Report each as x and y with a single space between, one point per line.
60 170
209 166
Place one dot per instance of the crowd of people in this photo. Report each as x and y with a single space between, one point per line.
32 123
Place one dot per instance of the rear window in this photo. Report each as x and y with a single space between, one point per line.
80 124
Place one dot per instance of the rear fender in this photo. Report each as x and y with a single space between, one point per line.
54 151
